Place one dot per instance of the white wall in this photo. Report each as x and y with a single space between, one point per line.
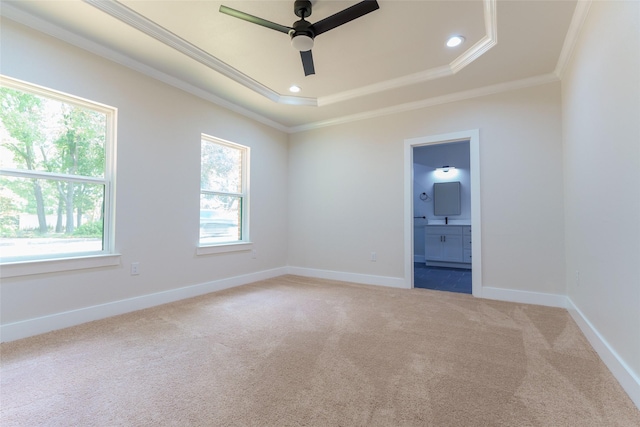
158 182
601 115
346 189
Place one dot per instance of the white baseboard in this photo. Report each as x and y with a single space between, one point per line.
40 325
525 297
394 282
620 370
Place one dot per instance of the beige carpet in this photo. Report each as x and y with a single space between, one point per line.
294 351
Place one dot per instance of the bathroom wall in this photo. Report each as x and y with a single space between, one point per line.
426 160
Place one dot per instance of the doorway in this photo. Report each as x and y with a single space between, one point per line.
453 266
442 217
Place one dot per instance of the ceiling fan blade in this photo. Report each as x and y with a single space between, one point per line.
255 20
349 14
307 63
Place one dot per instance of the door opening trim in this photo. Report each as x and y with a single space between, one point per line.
473 136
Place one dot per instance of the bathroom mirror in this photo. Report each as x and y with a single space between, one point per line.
446 198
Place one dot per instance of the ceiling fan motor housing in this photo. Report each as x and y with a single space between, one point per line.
302 28
302 8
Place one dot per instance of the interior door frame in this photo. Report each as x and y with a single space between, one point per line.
473 136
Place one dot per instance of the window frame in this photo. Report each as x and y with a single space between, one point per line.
244 244
74 260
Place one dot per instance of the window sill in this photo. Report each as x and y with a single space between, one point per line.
224 248
27 268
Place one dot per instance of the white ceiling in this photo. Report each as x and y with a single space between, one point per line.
392 59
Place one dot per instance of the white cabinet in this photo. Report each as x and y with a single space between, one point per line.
433 247
448 243
466 244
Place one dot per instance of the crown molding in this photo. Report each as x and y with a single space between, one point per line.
430 102
17 15
474 52
483 45
422 76
577 21
150 28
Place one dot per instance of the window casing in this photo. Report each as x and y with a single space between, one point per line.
224 194
56 175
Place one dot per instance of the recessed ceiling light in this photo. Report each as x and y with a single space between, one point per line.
455 41
294 89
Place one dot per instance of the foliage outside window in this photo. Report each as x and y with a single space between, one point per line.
223 192
55 175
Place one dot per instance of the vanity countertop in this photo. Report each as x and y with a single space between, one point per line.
451 222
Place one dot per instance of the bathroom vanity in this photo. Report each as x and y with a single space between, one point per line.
448 246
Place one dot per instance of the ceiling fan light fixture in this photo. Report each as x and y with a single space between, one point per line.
302 42
455 41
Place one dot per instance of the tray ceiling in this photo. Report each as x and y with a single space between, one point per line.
389 60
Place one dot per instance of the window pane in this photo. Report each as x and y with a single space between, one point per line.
220 219
221 168
46 135
41 217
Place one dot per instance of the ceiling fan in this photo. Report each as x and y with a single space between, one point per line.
303 32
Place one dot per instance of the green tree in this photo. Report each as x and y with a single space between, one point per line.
57 137
21 115
81 152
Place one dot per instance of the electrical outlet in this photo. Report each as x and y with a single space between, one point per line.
135 268
253 254
374 257
577 278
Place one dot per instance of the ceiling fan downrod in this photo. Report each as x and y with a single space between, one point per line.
302 8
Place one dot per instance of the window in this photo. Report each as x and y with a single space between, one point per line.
223 192
55 174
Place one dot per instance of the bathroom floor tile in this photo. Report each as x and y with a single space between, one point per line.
442 278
